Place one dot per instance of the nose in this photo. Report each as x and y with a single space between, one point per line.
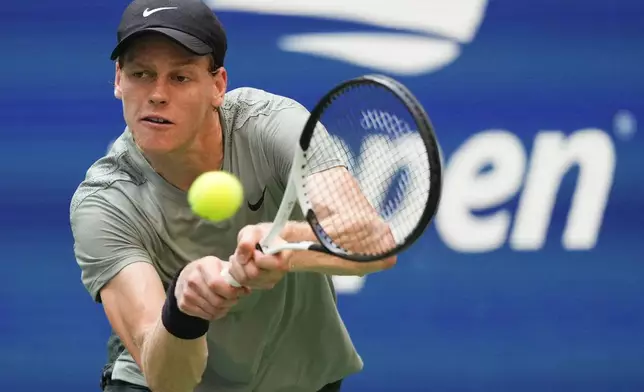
159 94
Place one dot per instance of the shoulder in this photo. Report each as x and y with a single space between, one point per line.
246 103
113 169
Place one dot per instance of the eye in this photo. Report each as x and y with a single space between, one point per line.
182 79
140 74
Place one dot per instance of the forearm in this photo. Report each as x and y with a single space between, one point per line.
175 351
324 263
171 364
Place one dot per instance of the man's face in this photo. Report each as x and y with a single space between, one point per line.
168 94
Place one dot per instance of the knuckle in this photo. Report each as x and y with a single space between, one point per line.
182 303
213 284
226 289
221 290
217 301
243 280
209 259
189 297
244 230
249 232
191 283
252 272
283 264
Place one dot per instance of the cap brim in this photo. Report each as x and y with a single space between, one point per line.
188 41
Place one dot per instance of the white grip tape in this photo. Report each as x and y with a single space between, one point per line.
225 273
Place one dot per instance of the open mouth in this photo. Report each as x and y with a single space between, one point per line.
156 120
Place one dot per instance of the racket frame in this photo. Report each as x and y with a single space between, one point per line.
425 130
295 191
293 194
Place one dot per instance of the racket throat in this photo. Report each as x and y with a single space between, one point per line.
289 200
305 245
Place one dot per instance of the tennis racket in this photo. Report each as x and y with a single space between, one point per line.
370 208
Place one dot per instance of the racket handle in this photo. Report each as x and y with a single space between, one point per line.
225 273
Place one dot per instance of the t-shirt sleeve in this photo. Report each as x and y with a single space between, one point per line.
282 135
105 242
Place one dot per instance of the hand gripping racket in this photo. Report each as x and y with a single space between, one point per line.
367 173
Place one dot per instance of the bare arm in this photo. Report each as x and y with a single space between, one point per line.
165 334
133 300
350 219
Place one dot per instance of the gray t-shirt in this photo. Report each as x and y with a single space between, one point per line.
290 338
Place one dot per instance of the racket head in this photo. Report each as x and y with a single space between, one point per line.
383 95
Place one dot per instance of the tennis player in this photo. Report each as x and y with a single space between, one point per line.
155 266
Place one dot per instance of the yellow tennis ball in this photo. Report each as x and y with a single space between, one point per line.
216 195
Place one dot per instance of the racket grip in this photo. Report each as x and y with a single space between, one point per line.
225 273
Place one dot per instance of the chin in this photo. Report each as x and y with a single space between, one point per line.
156 142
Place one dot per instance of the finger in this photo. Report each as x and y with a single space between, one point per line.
213 299
190 289
251 270
247 239
199 307
215 283
238 272
270 262
196 312
193 305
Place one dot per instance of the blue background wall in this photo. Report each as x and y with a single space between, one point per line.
504 320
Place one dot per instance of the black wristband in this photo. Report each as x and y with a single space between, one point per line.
178 323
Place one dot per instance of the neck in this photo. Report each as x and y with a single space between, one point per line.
181 167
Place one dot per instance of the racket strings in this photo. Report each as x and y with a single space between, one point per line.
373 206
362 233
340 204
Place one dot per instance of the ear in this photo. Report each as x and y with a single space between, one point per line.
118 94
220 83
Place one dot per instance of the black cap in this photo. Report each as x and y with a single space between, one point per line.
190 23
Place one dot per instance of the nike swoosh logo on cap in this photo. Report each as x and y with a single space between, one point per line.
147 12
